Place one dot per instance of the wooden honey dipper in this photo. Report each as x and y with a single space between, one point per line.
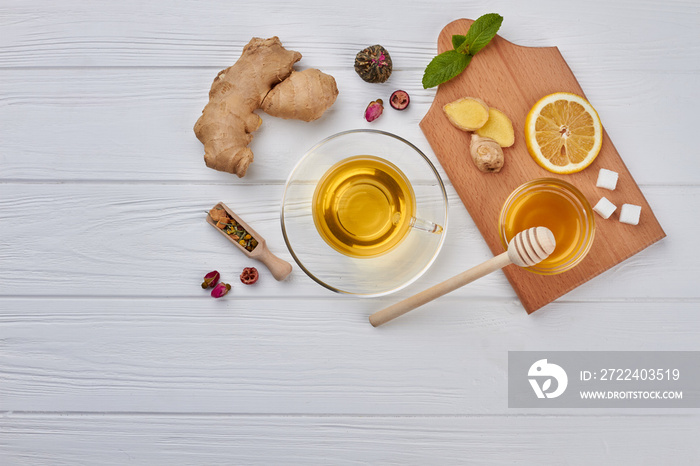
527 248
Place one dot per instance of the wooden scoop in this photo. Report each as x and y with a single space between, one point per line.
279 268
526 249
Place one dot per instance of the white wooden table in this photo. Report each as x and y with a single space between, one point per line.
110 352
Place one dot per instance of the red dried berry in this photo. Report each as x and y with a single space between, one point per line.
399 100
249 275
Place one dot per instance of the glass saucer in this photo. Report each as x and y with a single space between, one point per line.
363 276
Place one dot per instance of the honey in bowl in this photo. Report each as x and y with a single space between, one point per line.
559 206
363 206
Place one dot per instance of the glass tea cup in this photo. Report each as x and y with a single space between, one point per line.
557 205
364 206
353 212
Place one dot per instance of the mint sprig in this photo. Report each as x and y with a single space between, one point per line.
449 64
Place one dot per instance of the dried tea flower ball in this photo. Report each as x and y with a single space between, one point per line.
373 64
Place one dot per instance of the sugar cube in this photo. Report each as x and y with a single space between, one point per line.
604 208
607 179
629 213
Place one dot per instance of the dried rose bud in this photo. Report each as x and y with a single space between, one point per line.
220 290
374 110
210 279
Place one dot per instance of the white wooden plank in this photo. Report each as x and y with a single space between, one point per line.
248 355
595 37
144 239
125 242
252 440
136 124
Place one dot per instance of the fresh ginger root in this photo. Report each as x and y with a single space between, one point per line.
467 113
499 128
486 153
289 99
228 120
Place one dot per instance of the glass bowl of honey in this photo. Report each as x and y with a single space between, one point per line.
364 212
559 206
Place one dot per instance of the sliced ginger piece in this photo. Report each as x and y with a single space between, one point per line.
499 128
467 113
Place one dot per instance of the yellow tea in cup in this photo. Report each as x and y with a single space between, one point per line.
363 206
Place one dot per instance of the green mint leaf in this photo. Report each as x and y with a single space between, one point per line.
458 42
449 64
482 31
444 67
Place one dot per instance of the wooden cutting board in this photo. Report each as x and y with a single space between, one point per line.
512 78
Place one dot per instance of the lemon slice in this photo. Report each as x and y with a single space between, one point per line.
563 133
